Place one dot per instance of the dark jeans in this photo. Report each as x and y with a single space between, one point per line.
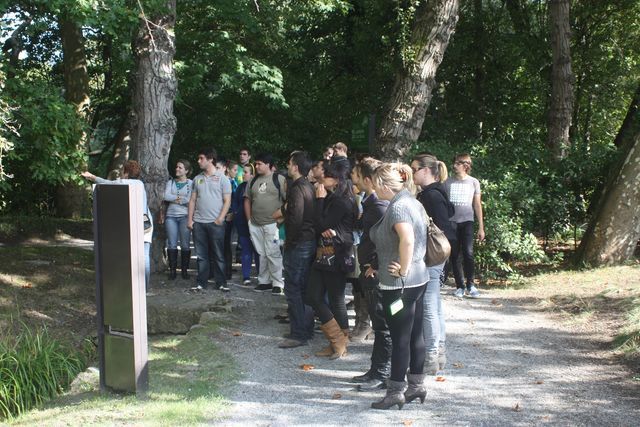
407 338
228 256
296 264
381 352
463 246
332 283
209 240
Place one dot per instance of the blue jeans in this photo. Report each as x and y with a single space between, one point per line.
297 262
434 331
177 230
209 239
247 255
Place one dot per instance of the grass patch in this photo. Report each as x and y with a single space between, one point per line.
186 377
628 341
34 368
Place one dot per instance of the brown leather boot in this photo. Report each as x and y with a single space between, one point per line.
329 350
339 339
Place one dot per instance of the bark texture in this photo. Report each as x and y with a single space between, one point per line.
613 234
72 199
562 79
401 126
153 121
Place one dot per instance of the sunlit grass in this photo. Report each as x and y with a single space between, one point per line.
186 377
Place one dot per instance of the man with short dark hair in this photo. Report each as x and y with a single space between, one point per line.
263 198
299 248
208 207
244 158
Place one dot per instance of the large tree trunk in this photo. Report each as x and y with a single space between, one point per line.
614 231
72 198
121 143
401 126
562 79
154 124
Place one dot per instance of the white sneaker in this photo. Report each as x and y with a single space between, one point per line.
473 292
459 293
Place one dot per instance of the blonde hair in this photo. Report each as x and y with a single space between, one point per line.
395 176
437 168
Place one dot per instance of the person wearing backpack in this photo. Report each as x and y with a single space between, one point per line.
464 193
428 174
264 196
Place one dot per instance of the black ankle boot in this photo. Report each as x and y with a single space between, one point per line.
186 258
394 396
416 389
172 255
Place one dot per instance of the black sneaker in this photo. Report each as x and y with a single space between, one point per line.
263 287
277 291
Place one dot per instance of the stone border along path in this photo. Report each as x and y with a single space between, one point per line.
507 366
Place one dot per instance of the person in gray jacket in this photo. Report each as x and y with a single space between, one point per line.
177 194
401 243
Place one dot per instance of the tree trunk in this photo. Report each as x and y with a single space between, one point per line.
402 124
154 123
562 79
614 231
479 74
121 144
631 123
72 199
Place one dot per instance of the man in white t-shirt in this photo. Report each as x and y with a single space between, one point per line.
464 194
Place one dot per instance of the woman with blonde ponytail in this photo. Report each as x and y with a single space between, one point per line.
400 238
429 173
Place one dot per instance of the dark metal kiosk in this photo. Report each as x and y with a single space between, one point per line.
120 288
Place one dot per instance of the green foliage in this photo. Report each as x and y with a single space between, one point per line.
33 368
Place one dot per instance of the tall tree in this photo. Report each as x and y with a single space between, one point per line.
561 108
433 25
153 122
614 231
71 197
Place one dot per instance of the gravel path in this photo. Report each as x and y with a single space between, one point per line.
507 366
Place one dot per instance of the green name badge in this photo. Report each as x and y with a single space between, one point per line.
396 306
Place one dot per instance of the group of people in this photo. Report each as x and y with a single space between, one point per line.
329 222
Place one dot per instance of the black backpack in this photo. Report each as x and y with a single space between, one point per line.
276 183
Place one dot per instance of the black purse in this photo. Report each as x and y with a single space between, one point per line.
325 255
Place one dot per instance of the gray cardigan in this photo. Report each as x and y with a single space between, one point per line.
402 208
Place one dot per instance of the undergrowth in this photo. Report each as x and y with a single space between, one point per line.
34 368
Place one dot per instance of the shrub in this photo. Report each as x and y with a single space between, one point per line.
34 368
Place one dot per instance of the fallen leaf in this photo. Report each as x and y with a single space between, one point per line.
27 286
305 356
336 396
440 379
306 367
539 382
546 417
517 407
236 333
458 365
407 422
496 302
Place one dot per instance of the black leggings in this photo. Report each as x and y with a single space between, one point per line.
407 338
331 283
463 246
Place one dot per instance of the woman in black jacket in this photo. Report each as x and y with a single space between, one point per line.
335 215
429 173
